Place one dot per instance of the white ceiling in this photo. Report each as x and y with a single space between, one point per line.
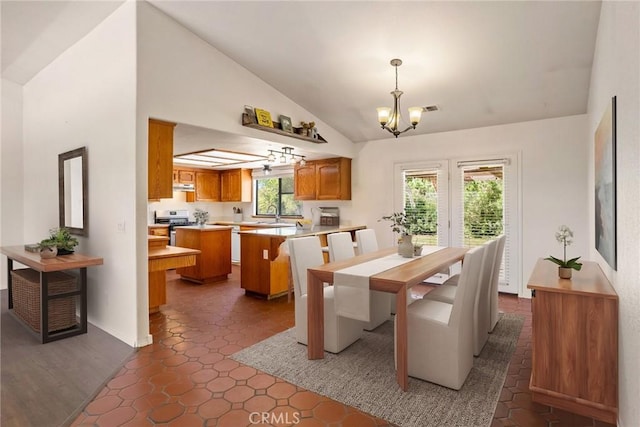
482 63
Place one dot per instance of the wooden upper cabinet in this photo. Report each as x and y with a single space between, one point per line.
235 185
184 176
160 158
304 180
328 179
207 186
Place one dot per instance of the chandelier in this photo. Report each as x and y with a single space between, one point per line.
286 156
390 120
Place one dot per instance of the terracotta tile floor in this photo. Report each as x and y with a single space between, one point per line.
186 377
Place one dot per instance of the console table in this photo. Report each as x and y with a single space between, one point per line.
44 267
574 359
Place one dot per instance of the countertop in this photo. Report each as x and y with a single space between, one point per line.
255 224
205 228
171 251
298 232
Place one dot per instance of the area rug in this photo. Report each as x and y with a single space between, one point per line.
363 376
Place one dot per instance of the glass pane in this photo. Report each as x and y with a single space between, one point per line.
483 204
421 204
290 206
266 196
287 184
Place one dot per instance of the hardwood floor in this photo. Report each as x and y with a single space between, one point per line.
49 384
187 379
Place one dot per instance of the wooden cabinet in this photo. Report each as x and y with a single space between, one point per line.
575 341
328 179
235 185
264 276
184 176
207 186
160 160
214 261
158 230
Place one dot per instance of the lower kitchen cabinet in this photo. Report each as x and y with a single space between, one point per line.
214 262
263 273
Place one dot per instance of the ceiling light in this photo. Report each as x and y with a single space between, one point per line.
266 169
390 119
287 152
271 157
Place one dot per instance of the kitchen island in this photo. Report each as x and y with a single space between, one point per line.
214 261
264 269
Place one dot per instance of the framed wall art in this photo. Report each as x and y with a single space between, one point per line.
264 118
605 185
285 124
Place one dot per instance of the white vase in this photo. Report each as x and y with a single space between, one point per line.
405 247
48 252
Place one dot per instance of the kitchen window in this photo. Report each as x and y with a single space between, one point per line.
274 194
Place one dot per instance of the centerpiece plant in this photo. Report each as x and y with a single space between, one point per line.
564 235
201 217
404 224
61 239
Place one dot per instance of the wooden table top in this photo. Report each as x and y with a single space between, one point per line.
59 263
589 280
171 251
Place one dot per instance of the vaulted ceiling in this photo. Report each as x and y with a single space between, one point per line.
482 63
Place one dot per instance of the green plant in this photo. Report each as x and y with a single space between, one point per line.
47 243
402 222
201 216
62 238
564 235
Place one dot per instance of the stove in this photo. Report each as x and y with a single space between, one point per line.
174 218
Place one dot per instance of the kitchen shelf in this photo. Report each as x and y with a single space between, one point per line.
246 121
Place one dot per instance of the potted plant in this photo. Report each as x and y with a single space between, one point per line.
404 224
63 240
201 217
48 248
564 235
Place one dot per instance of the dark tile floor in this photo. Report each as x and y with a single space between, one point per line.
186 377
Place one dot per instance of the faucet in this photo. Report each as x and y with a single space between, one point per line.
275 210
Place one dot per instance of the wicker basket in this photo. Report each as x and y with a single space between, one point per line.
26 298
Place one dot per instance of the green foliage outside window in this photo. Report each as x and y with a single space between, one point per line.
483 209
272 193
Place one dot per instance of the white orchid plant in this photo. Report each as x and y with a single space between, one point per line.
564 235
201 216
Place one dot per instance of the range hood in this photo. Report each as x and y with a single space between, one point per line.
184 187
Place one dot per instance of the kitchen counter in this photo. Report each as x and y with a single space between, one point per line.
214 261
254 224
316 230
207 227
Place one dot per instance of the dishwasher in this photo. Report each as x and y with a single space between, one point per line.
235 244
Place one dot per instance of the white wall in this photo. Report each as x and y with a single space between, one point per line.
616 72
11 171
553 178
86 97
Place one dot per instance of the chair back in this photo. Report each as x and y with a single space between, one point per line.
366 241
340 246
497 261
304 253
467 284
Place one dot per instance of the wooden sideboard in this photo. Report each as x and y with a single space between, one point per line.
575 341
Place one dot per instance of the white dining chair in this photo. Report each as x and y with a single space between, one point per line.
440 335
339 332
482 302
366 241
341 248
493 289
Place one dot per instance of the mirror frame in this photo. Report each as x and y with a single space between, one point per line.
82 153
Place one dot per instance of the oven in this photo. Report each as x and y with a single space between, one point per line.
173 218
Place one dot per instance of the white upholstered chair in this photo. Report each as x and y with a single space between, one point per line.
482 301
339 332
366 241
340 248
493 289
440 335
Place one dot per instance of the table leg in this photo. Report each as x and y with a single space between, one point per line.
9 282
315 318
83 300
402 374
44 307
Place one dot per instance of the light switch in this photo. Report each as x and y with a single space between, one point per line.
121 227
265 254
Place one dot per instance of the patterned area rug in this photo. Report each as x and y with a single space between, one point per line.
363 376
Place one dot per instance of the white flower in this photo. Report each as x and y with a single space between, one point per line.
564 235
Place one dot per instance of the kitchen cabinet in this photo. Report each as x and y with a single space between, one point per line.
214 261
328 179
235 185
261 275
184 176
158 230
574 340
207 186
160 160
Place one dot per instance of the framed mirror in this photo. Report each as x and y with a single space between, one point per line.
73 190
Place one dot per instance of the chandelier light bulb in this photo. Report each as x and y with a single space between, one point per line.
271 158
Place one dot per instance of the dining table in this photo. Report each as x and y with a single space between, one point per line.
397 280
